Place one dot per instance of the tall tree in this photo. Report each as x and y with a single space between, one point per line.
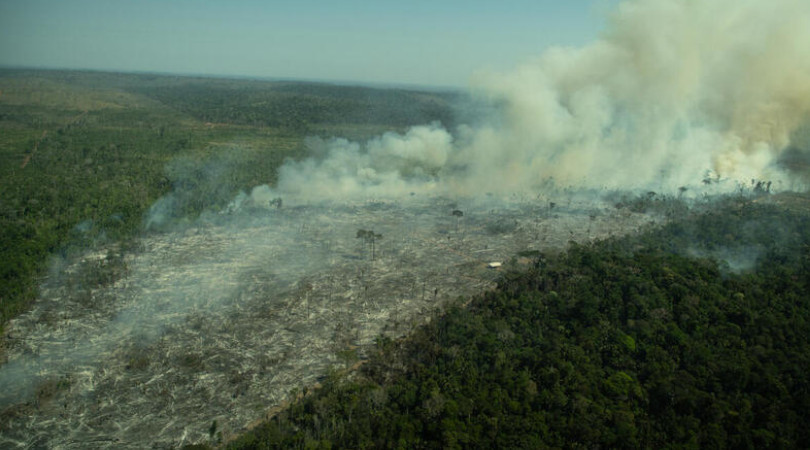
370 238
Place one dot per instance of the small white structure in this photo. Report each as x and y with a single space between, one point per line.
494 265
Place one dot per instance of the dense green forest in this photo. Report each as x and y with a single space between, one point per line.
83 155
695 334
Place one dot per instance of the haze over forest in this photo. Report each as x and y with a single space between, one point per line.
590 227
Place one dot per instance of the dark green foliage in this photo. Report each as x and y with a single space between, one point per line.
629 343
83 185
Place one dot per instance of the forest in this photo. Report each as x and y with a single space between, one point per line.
667 339
83 155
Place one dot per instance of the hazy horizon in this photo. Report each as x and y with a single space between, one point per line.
416 43
238 77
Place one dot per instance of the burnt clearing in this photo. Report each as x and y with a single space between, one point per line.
225 319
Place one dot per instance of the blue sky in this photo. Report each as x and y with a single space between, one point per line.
439 43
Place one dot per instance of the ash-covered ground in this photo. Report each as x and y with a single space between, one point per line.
224 319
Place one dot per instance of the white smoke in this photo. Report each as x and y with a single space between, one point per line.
673 90
383 167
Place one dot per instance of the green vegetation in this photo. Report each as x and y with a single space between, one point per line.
83 155
628 343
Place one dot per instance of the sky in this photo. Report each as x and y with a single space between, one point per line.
420 42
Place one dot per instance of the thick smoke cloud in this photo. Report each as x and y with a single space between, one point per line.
387 166
674 93
673 89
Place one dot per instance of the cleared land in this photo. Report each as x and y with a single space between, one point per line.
223 319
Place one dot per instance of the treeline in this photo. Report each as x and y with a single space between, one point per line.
80 183
293 106
299 106
628 343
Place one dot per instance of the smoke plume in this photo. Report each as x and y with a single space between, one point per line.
383 167
675 93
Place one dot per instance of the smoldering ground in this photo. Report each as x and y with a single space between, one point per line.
230 305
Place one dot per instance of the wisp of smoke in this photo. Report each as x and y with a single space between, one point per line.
676 93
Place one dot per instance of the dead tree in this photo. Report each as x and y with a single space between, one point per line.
370 238
458 215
